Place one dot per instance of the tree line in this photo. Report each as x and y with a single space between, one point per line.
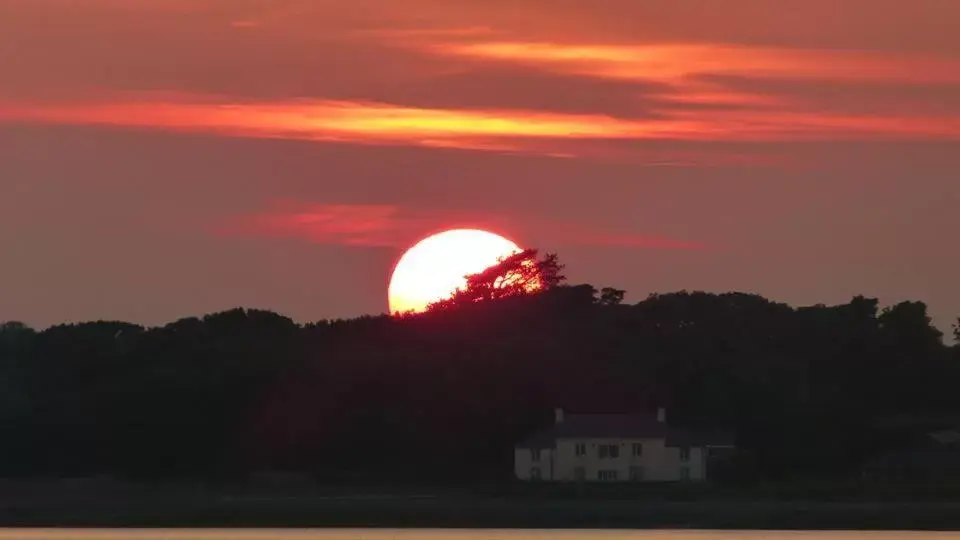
443 395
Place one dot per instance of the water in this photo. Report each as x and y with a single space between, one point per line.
459 534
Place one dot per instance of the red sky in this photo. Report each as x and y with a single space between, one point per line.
164 158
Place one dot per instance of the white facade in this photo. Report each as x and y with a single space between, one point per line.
656 462
611 459
531 464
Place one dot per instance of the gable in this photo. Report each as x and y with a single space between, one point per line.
618 426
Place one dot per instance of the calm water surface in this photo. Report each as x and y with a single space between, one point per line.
434 534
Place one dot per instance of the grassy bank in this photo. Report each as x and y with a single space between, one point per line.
166 507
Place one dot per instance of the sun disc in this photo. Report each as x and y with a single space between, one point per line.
435 267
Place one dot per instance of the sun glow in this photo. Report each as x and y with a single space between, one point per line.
436 266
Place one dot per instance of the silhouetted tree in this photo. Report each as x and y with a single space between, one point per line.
515 275
909 354
611 297
16 349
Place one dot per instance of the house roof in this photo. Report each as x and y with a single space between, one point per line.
628 426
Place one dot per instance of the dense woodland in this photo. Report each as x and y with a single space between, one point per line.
444 395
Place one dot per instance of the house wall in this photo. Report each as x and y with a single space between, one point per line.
658 463
524 463
696 464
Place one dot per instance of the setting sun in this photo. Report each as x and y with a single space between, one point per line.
436 266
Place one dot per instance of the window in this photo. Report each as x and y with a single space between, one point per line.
609 451
579 474
535 454
636 474
535 473
607 475
684 473
684 454
580 449
637 449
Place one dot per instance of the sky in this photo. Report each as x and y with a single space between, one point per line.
169 158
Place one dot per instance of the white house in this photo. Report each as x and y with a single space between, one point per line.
615 448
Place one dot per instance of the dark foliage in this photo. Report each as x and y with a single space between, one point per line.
517 275
445 394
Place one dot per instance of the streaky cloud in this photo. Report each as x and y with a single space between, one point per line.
396 226
499 130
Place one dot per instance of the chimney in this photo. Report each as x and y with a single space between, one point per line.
558 415
661 415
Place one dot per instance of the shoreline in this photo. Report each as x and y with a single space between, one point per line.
479 513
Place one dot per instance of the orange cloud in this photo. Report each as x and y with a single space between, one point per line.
676 62
340 121
688 77
502 130
384 225
343 224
